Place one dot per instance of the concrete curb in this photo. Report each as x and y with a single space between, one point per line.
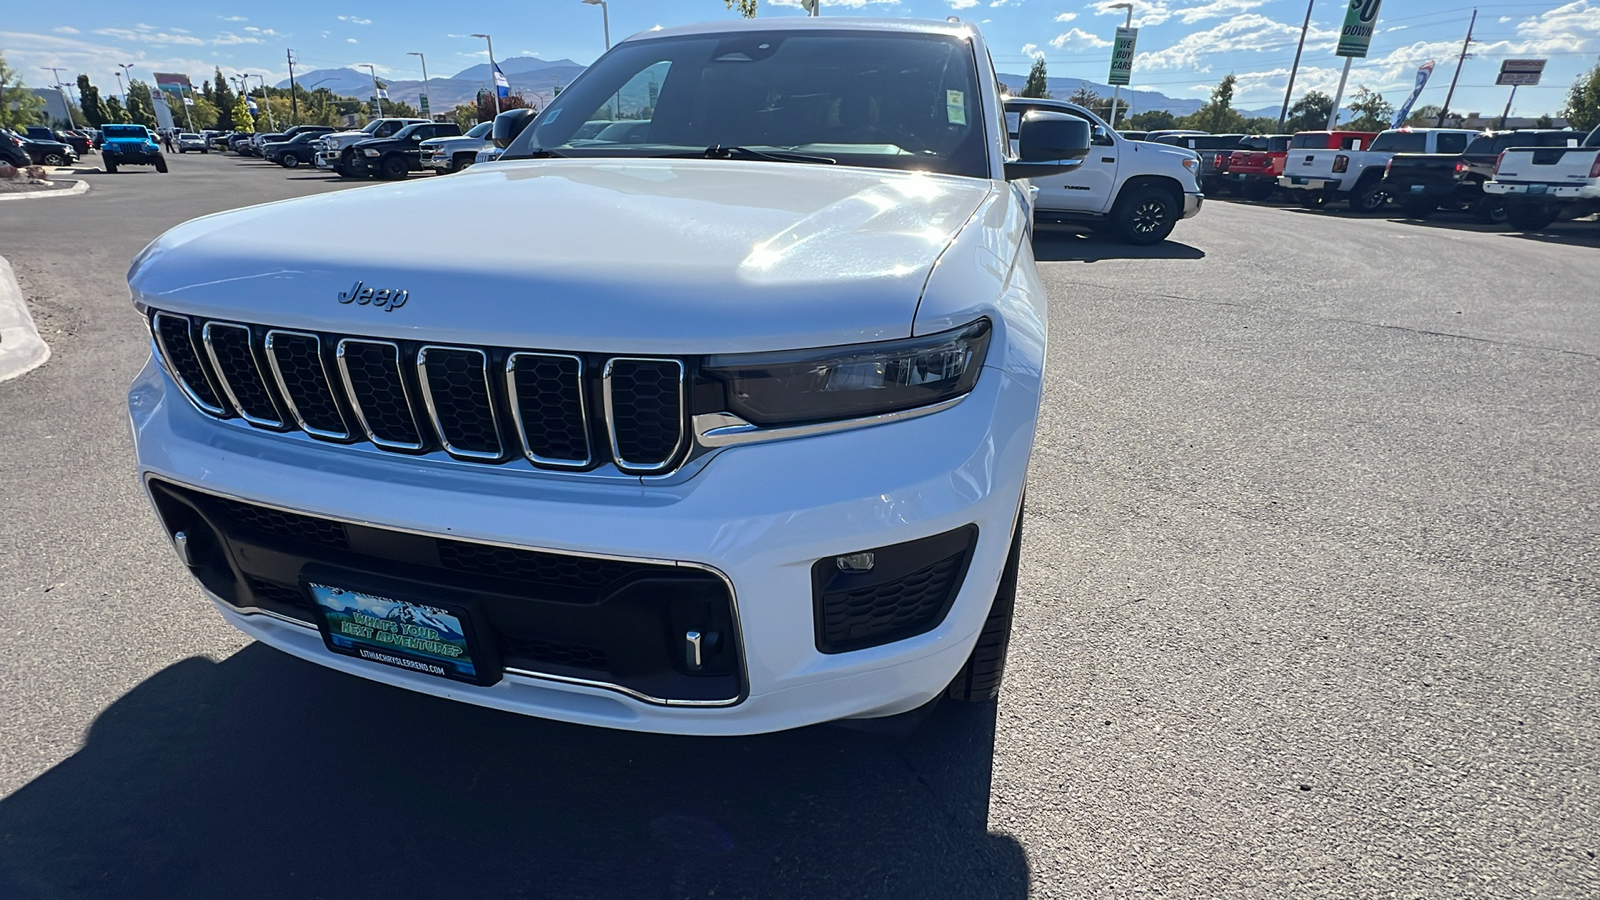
21 348
81 187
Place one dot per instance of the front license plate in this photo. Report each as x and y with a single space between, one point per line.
1416 188
419 637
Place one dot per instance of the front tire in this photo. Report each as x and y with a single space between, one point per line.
1146 216
980 677
54 159
111 167
161 165
1529 216
393 168
289 161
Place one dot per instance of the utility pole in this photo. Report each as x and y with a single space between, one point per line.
1445 110
1296 67
294 102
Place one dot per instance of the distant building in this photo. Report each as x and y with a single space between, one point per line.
1480 121
55 105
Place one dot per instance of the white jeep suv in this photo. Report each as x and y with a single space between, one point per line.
719 427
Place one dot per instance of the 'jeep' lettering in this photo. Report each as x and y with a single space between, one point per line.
388 299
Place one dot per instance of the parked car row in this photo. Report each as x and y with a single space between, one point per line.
31 150
384 148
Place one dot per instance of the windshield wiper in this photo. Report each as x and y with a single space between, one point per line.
718 151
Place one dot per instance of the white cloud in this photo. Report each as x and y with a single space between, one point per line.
1578 22
1032 50
1216 9
351 41
1145 12
228 38
962 4
233 18
853 4
353 20
65 29
1504 19
1078 39
1247 33
1066 17
145 34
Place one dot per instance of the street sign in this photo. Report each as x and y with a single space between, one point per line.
1122 56
422 106
1359 21
1520 71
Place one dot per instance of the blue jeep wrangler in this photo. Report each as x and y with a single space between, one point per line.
130 145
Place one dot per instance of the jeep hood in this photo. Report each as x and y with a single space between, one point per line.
641 256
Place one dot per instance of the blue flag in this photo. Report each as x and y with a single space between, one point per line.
501 85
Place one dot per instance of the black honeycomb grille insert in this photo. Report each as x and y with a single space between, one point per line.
280 594
646 410
549 406
521 649
298 358
378 389
458 388
579 572
306 529
887 613
236 363
177 345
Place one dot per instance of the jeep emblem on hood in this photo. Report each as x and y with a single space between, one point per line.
389 299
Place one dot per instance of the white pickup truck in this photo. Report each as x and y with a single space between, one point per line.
717 424
1542 184
1134 189
1317 177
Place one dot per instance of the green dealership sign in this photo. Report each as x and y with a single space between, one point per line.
1359 21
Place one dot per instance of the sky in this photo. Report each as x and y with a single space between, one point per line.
1184 48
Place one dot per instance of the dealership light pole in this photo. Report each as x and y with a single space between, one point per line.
494 86
1284 113
266 101
377 97
605 18
423 99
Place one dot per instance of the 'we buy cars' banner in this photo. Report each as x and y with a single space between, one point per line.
1356 35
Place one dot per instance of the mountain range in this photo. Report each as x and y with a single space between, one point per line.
537 79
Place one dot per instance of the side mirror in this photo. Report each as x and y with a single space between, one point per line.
509 124
1049 143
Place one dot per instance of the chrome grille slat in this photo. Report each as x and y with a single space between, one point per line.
352 389
174 336
464 414
301 373
377 391
550 409
239 373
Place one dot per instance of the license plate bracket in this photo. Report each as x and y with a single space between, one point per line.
401 626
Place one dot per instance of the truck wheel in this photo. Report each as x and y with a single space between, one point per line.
1312 199
1146 216
393 168
460 161
289 161
1369 198
1490 210
1257 191
54 159
161 164
111 167
1419 209
1529 216
979 679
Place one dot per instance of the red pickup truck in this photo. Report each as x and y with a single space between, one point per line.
1254 170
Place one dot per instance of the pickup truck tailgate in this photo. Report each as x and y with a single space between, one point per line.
1549 165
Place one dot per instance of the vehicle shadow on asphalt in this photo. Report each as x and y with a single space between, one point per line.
265 776
1070 246
1573 233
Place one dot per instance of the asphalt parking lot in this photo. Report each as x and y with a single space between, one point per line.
1310 607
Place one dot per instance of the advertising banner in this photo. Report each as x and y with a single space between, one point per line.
1359 21
1122 56
176 83
1405 108
1520 71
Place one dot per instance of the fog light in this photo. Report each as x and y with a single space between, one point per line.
856 562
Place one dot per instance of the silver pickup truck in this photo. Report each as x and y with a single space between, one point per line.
1542 184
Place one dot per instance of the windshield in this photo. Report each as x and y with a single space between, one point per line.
123 131
902 101
481 130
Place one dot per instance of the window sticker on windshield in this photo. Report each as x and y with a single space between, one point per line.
955 107
551 116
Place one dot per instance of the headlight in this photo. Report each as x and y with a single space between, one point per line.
851 382
369 152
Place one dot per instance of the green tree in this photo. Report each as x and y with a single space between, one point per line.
1309 113
141 107
222 98
1261 125
115 114
1038 83
1373 113
94 109
1424 116
1154 120
1218 115
464 114
242 122
1583 101
1544 121
746 8
18 105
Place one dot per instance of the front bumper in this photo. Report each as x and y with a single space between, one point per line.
1191 204
327 159
837 494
